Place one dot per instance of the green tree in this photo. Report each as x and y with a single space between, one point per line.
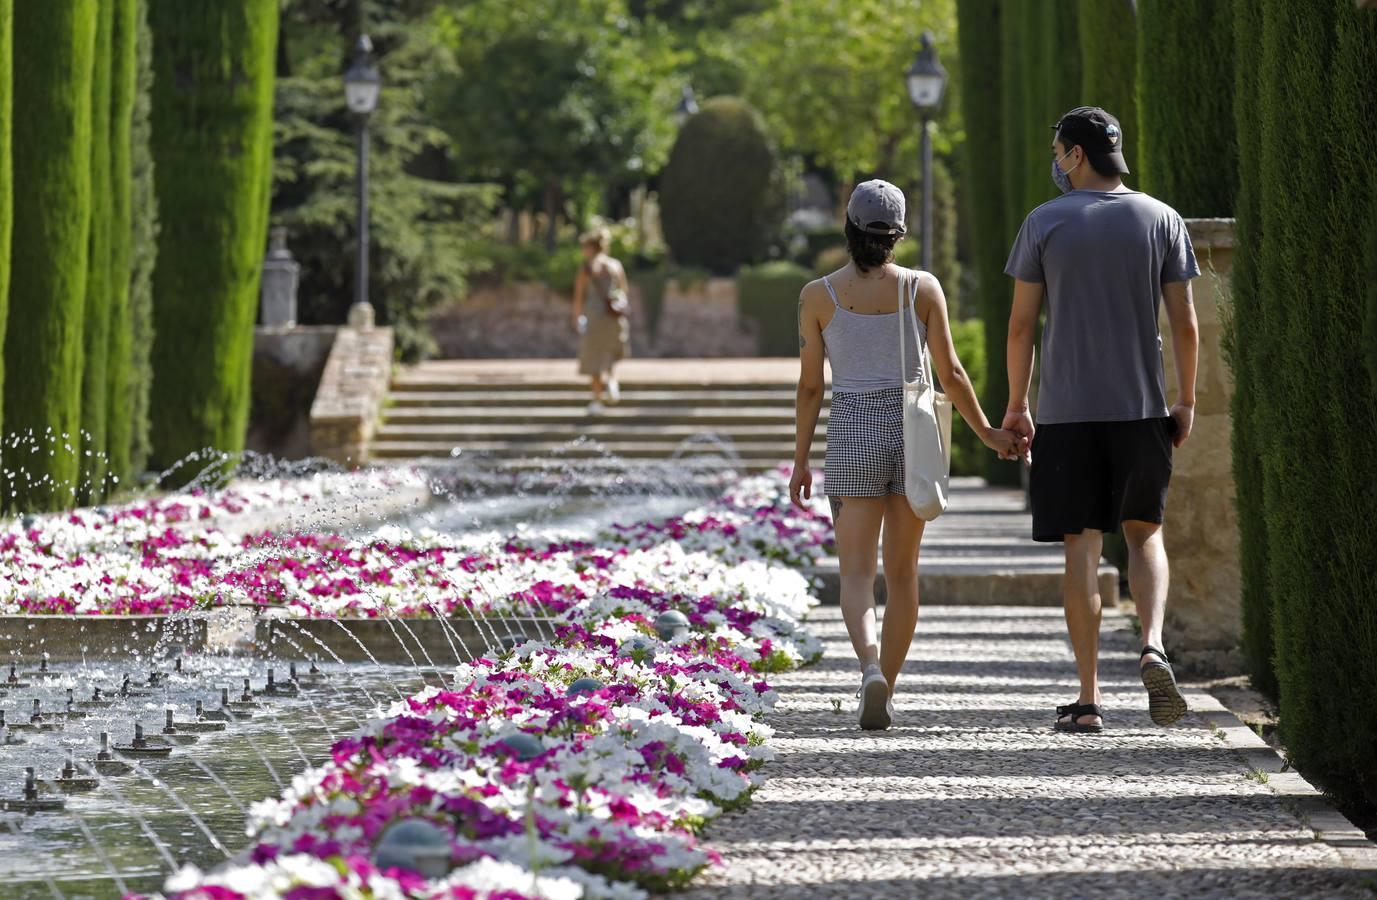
980 82
143 251
118 376
53 51
1109 66
99 280
212 139
1051 86
6 184
1017 167
1246 346
1185 105
720 197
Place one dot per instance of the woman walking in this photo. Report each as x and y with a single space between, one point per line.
853 317
600 317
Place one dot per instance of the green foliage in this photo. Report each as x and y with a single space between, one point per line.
1051 86
117 378
1017 171
212 139
1189 155
720 197
1370 323
99 281
6 184
423 225
981 85
967 452
945 264
1109 66
768 295
1317 97
143 256
53 50
1246 345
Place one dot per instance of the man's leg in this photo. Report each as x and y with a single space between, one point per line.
1148 577
1081 603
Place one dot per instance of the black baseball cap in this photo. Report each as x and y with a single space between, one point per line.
1098 134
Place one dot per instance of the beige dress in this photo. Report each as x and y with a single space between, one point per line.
606 339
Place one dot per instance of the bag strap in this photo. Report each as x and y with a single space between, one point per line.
909 278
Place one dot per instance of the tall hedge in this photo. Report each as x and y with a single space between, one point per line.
143 249
980 84
95 343
53 50
212 141
1370 323
6 183
1013 136
720 202
1109 66
1246 346
117 380
1185 105
1051 86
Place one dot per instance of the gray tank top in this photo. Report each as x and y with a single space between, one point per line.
864 349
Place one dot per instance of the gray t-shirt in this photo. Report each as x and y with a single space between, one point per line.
1103 257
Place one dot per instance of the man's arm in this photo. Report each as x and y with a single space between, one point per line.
1185 343
1023 324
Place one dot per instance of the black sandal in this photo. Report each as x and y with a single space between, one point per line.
1165 703
1075 711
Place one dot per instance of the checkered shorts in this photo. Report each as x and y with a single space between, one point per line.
865 444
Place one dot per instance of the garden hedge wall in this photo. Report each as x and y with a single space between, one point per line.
143 257
1109 67
1317 180
768 296
95 343
212 141
1185 105
6 183
53 50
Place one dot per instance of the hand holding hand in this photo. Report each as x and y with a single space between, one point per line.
1021 424
800 485
1004 442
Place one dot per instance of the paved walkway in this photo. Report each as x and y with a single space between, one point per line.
972 794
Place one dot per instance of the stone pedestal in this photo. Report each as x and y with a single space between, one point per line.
1201 530
348 402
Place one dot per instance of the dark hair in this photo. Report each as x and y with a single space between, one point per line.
1101 166
869 251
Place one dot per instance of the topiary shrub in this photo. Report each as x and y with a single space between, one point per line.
768 296
720 197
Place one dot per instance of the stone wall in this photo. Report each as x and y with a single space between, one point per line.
1201 532
526 320
287 365
351 393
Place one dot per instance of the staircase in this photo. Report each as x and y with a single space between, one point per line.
520 414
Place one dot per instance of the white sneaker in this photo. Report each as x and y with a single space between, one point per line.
614 391
876 711
595 408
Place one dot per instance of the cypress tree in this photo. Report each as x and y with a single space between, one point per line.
1370 324
212 141
1012 52
123 80
53 49
1246 349
981 108
1344 624
6 185
1109 67
143 238
96 325
1038 116
1296 173
1185 105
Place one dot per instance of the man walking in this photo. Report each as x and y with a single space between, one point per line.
1103 257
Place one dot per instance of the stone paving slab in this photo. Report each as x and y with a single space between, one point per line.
972 794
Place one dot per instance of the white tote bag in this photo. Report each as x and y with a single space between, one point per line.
927 420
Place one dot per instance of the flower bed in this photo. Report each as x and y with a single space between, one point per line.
535 782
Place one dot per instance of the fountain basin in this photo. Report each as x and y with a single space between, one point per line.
428 642
66 638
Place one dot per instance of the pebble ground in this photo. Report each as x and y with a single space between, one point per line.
972 794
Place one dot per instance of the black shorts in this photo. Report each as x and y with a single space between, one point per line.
1094 475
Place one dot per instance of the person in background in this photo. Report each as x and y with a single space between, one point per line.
600 317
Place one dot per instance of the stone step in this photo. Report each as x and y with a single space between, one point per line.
395 429
579 416
980 580
403 396
770 452
431 380
598 475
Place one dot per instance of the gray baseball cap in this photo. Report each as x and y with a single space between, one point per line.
877 207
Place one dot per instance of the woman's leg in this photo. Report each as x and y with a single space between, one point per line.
857 524
903 532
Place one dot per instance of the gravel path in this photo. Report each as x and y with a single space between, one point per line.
972 794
